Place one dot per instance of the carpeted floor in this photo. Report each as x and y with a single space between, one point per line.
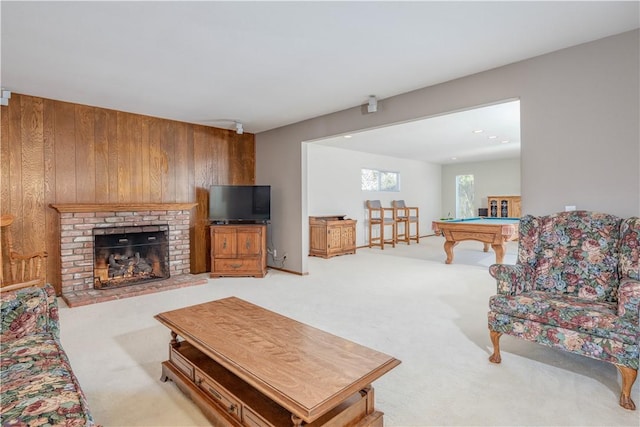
404 301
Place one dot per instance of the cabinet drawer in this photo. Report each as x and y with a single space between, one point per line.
218 393
181 363
251 419
237 265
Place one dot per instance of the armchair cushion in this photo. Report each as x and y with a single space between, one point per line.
568 312
578 255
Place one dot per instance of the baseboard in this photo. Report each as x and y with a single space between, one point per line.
284 270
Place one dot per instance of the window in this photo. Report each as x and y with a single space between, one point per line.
376 180
464 196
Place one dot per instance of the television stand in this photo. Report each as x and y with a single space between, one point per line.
238 250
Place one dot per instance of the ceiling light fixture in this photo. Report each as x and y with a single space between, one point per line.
373 104
478 131
347 136
505 141
492 136
239 129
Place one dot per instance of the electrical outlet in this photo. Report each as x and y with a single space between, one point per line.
275 253
569 208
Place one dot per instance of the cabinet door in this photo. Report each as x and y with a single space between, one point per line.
223 242
249 241
515 208
334 239
348 236
504 208
493 208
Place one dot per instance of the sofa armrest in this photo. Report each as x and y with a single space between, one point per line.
29 311
511 279
629 299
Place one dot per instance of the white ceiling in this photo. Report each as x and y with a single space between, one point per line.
269 64
484 133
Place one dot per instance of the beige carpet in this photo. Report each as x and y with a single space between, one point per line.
404 301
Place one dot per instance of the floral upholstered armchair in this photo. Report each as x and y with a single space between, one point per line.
576 287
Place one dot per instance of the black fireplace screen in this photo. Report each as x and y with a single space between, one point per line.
130 255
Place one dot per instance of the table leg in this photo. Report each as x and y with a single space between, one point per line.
499 250
174 340
486 247
448 249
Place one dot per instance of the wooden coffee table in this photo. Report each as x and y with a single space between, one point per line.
244 365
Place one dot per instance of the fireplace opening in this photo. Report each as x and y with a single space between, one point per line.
130 255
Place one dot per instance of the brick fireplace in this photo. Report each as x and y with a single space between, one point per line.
78 224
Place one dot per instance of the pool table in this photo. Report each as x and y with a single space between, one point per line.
490 231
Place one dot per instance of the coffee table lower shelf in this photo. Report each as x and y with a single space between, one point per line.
226 400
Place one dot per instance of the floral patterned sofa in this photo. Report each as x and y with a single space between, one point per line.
576 287
38 386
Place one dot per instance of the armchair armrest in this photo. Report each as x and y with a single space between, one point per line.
29 311
629 299
511 279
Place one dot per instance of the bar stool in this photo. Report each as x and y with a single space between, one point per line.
407 215
381 217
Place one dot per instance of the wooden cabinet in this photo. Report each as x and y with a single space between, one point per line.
238 250
504 206
331 235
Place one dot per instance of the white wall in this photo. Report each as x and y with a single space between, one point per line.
579 112
334 186
490 178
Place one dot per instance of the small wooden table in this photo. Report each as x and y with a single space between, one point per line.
490 231
244 365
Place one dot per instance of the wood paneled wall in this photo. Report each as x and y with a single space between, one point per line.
59 152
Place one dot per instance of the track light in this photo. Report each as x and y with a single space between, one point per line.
239 129
6 94
373 104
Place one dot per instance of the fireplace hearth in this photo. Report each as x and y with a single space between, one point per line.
130 255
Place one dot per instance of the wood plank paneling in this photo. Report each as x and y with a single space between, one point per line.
85 154
205 163
157 161
52 233
5 177
104 139
15 163
182 162
145 158
126 133
65 152
136 154
33 217
58 152
168 179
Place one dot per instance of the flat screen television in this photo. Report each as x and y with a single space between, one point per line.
239 203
